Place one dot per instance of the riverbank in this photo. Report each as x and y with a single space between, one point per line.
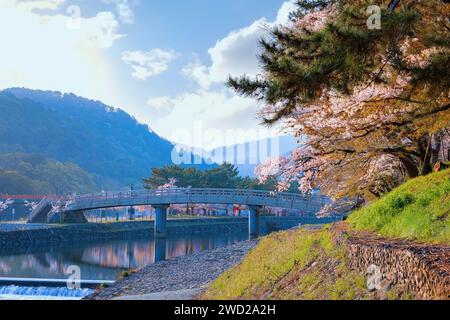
19 237
336 263
395 248
183 276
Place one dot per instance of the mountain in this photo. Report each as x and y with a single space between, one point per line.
110 145
247 156
22 173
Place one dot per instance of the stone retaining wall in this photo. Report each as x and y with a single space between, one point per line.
420 269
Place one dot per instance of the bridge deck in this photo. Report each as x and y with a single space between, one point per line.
306 203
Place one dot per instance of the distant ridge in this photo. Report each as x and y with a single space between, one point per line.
246 156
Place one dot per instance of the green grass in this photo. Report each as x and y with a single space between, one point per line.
418 210
125 274
298 264
307 264
269 261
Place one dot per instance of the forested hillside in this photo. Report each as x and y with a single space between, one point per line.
107 143
22 173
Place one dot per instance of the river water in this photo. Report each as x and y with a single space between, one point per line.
97 262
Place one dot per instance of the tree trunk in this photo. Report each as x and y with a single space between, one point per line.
436 145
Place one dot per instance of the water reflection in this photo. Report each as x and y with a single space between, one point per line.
160 249
105 261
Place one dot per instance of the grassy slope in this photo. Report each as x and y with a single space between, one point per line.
304 264
418 210
294 265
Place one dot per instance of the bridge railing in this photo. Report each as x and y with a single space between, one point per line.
107 195
194 195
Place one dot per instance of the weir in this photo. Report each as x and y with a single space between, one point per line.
16 292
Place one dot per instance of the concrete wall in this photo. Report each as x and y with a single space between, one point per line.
49 235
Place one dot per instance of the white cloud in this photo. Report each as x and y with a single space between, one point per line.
198 72
44 51
100 31
124 10
234 55
148 64
126 15
283 13
161 104
36 4
206 119
237 53
215 116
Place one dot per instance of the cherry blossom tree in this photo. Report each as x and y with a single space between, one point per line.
4 205
31 205
169 185
371 106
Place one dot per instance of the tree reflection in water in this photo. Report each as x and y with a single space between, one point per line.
106 260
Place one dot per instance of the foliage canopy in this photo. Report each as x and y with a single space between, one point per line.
372 103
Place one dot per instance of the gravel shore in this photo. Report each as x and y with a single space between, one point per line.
180 274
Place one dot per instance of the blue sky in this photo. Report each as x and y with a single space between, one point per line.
164 62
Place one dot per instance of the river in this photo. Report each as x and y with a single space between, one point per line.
97 262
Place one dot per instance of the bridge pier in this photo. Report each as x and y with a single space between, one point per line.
131 213
159 250
161 221
253 221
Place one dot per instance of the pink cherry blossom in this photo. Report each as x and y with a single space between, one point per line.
6 204
417 57
170 185
317 20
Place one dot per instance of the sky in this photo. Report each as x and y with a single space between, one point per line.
164 62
